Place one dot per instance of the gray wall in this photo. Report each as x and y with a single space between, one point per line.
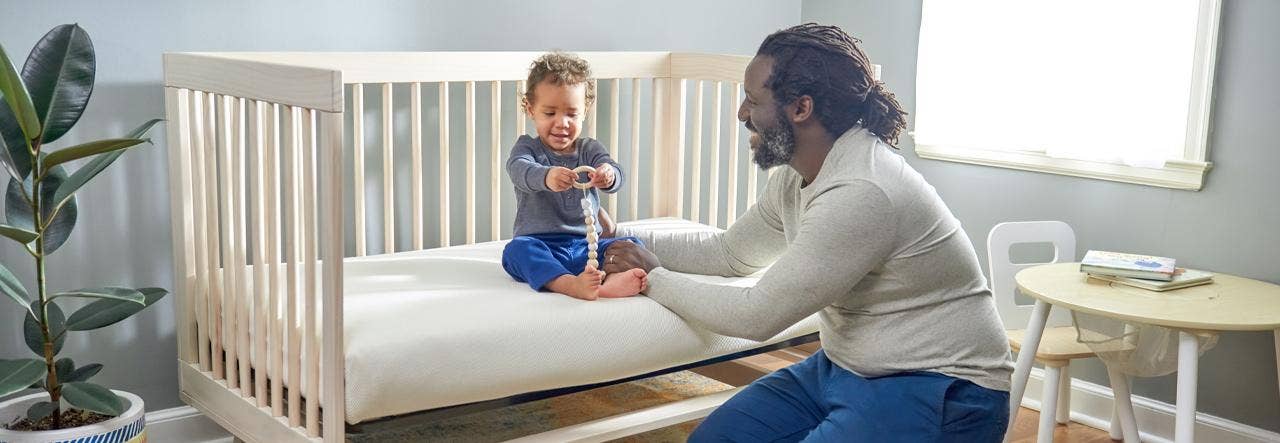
1230 226
123 237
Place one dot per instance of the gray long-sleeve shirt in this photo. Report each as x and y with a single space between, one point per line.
870 246
538 209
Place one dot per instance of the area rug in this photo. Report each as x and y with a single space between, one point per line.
544 415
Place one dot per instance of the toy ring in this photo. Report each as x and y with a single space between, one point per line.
579 170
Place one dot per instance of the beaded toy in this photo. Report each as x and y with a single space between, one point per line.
589 216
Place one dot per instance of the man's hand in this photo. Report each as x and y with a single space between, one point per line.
624 255
607 228
604 176
560 179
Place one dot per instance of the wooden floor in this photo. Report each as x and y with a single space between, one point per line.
1024 431
743 371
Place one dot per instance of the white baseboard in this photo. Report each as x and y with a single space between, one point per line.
1091 405
184 424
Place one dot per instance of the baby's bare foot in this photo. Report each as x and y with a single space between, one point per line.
583 286
624 284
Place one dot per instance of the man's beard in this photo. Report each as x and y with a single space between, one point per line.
777 145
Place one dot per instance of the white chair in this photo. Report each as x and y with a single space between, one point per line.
1058 345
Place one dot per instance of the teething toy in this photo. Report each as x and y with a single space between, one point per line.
589 216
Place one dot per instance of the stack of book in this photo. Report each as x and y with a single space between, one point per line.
1141 271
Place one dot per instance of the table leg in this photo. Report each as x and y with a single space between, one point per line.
1114 430
1122 409
1188 362
1064 396
1049 402
1022 371
1277 341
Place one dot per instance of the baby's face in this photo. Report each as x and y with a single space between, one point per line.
557 112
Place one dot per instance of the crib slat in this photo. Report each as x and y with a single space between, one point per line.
657 109
731 211
674 140
635 149
591 109
695 185
444 164
259 293
614 95
332 370
275 330
213 211
180 218
713 184
291 242
230 286
752 172
388 173
199 195
495 162
357 146
519 109
243 295
310 309
471 162
415 128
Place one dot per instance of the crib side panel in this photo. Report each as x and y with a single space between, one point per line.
259 252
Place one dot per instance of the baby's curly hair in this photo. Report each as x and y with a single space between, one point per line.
560 68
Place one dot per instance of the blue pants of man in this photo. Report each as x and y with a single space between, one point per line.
817 401
539 259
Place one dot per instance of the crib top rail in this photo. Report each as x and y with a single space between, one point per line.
315 79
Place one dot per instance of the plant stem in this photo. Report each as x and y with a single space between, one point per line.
51 378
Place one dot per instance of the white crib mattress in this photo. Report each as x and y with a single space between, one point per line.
448 326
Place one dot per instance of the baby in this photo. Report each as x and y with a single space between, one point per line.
549 251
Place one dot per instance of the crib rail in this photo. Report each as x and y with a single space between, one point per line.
266 205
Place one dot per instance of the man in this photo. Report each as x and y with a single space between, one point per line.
913 348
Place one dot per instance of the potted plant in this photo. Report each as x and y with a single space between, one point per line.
38 106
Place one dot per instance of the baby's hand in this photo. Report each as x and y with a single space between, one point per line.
604 176
560 179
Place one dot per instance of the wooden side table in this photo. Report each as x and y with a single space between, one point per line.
1230 303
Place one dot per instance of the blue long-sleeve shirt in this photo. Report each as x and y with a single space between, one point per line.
538 209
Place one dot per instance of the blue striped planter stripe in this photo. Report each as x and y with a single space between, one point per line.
122 435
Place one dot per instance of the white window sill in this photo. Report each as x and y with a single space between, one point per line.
1176 174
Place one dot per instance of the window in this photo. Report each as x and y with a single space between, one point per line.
1114 90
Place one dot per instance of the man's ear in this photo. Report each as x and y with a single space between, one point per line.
801 110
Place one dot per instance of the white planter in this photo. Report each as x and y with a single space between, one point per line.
129 427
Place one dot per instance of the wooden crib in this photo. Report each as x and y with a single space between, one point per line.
270 191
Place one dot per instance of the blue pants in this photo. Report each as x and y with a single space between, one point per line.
539 259
817 401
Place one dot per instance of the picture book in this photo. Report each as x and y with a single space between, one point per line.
1128 265
1182 278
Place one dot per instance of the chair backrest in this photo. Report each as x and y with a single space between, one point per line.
1003 287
